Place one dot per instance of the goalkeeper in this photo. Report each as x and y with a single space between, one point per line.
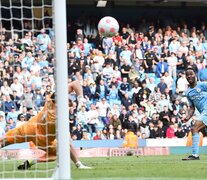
41 130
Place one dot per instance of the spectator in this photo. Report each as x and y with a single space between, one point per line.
180 133
77 131
144 92
44 41
123 88
102 90
82 117
72 119
103 108
21 120
162 85
2 132
170 133
98 135
8 104
12 114
2 121
16 99
17 86
115 122
28 98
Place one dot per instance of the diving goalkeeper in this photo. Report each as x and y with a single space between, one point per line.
41 130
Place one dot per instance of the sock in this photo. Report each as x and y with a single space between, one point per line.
195 144
78 164
79 97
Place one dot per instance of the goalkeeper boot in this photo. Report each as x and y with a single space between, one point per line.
24 166
79 165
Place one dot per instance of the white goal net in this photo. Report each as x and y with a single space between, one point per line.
27 80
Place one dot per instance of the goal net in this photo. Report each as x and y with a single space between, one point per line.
29 74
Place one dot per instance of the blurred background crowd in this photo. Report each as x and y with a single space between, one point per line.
135 77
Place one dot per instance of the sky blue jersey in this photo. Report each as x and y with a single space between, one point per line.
197 96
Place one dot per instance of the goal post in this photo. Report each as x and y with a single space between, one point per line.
62 89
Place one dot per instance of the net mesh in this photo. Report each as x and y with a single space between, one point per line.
26 82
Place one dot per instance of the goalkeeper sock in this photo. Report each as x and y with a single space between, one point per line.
32 162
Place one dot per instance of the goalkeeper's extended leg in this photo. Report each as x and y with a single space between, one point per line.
29 163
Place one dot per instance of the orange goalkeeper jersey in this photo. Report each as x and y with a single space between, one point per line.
40 129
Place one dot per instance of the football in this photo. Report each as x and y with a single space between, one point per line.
108 26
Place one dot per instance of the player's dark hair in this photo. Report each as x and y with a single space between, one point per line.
190 68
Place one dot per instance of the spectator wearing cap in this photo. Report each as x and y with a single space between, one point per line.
21 120
26 40
16 62
12 114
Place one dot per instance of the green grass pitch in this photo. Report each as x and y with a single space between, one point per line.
127 167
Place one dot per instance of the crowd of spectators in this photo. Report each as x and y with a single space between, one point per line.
135 77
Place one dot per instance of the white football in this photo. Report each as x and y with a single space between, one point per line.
108 26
